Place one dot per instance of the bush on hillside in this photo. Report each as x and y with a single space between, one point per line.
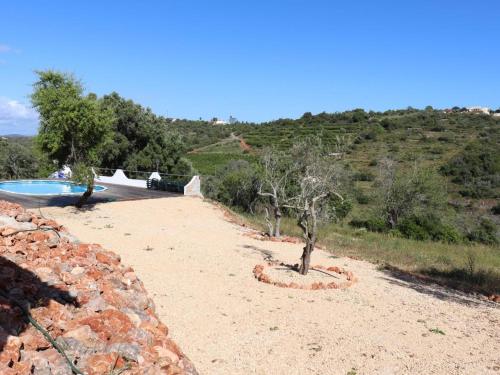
495 210
362 198
364 176
477 169
339 209
428 227
485 232
373 224
235 185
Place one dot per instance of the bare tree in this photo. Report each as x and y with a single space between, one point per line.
274 185
319 178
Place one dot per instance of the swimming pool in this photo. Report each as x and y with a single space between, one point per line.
45 187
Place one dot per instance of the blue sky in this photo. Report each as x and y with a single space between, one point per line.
256 60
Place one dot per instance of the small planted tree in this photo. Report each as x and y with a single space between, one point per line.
73 127
319 178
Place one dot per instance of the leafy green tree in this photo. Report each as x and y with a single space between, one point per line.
130 130
73 127
406 193
142 141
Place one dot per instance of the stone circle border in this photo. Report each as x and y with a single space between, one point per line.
261 276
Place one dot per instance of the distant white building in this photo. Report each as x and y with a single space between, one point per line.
216 121
484 110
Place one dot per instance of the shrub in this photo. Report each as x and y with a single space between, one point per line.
339 209
371 224
235 185
388 124
477 169
394 148
362 198
495 210
485 232
480 188
445 139
364 176
428 227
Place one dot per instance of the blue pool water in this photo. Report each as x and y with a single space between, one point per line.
42 187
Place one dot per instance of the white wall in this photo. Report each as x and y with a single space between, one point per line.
193 187
119 178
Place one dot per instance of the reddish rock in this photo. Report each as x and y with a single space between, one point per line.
11 350
21 368
332 285
494 298
97 309
38 236
8 231
334 269
172 369
23 217
259 274
107 257
99 364
108 323
33 341
163 352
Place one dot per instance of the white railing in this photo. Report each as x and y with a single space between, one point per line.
193 187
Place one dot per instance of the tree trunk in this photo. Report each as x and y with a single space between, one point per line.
310 228
277 224
306 258
83 199
269 223
392 219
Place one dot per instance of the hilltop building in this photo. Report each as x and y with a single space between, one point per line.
216 121
484 110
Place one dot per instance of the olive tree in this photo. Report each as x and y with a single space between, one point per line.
319 178
403 193
73 126
277 176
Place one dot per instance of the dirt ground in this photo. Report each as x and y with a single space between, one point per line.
197 266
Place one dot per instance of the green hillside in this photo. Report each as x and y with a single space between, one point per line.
457 246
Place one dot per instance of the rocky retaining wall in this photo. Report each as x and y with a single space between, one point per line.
94 307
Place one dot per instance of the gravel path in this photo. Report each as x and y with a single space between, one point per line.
198 268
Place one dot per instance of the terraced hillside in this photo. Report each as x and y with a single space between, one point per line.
461 147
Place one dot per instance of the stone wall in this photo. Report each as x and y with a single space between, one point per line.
93 306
